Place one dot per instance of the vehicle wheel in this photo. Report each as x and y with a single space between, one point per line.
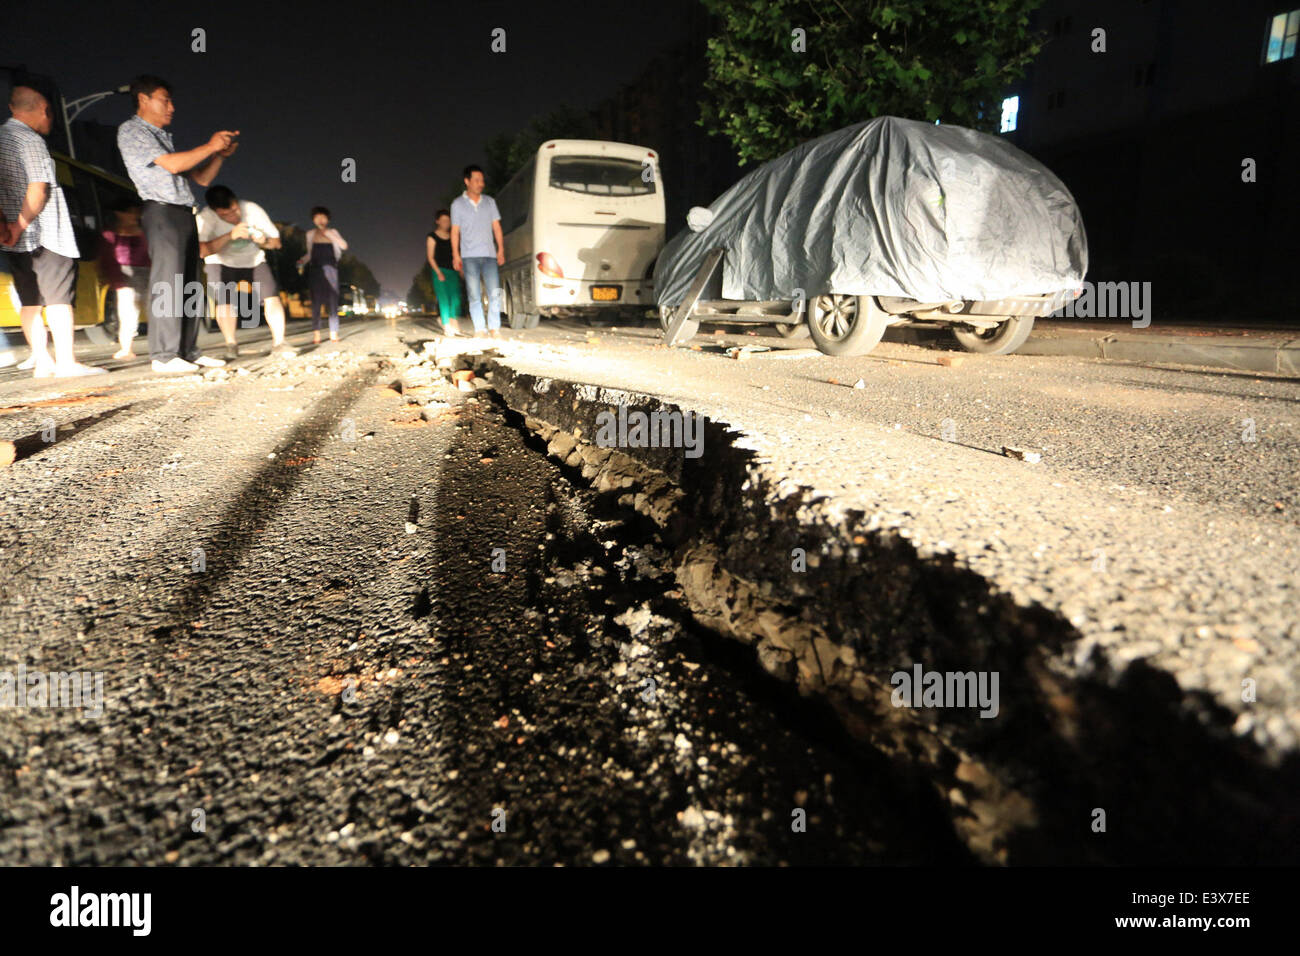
799 331
517 318
689 330
846 324
1002 340
531 320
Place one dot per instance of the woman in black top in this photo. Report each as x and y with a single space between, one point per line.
446 282
324 250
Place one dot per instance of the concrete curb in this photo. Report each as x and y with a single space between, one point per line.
1274 358
1280 356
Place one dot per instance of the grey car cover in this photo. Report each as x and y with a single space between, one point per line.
889 207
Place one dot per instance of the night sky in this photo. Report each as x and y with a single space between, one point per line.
411 91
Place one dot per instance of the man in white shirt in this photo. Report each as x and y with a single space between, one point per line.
234 235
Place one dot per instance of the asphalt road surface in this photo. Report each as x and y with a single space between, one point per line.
347 613
286 579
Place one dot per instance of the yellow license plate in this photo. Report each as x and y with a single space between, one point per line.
605 293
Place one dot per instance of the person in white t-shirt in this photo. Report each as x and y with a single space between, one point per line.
234 235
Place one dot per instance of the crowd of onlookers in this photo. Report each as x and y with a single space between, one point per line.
149 254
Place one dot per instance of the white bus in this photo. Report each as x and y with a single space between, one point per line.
583 222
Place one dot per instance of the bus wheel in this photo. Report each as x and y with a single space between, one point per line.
531 320
98 335
517 318
1003 340
799 331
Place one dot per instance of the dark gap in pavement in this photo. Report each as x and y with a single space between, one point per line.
808 720
1070 740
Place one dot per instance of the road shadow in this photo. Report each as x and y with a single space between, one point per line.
236 531
27 445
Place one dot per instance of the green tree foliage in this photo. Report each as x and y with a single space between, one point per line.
293 246
421 295
505 155
497 163
352 271
947 60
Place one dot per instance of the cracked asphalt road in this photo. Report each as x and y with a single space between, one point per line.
295 675
289 575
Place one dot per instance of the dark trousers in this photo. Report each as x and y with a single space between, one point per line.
325 296
174 257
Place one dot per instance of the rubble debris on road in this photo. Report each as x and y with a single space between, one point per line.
1022 454
779 353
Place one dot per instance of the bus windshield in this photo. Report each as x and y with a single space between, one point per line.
600 176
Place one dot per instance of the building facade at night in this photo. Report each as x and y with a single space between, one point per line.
1152 137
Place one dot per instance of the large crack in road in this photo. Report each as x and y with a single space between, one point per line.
1083 728
618 730
347 611
298 672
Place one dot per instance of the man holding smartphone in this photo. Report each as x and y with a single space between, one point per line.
155 167
234 235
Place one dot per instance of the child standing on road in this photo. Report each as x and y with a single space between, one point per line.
124 267
446 281
324 250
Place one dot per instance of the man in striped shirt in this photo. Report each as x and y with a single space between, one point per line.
36 235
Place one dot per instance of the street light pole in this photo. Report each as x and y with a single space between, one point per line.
74 109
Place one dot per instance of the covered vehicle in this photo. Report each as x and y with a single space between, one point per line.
886 222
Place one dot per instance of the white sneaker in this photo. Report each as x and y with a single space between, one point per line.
284 350
75 369
28 365
174 366
207 362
